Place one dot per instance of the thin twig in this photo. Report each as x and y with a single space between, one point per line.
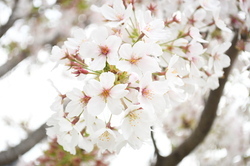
154 142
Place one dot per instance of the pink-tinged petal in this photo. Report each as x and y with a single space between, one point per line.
95 87
88 50
96 105
98 63
115 106
118 91
107 80
125 51
100 35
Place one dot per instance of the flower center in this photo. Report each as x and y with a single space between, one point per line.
105 93
119 17
147 93
134 60
85 99
104 50
105 136
134 117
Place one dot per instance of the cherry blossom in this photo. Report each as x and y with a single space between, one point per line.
140 68
152 28
117 13
106 93
137 58
219 59
136 124
103 49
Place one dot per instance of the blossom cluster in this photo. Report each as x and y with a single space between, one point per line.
134 66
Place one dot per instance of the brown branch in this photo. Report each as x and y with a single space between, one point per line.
11 21
12 154
11 63
15 60
206 120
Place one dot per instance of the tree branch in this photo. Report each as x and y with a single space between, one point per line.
13 153
11 63
11 21
206 120
15 60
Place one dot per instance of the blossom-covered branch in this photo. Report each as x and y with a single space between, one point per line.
206 120
136 67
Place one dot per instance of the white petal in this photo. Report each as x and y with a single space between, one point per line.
225 60
118 91
140 49
85 144
107 80
75 94
108 12
88 50
123 65
125 51
115 106
113 42
148 64
154 49
74 108
100 35
57 54
96 105
95 87
65 125
98 63
146 80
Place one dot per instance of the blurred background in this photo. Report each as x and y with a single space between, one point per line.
29 83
